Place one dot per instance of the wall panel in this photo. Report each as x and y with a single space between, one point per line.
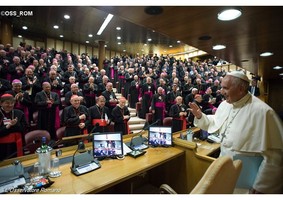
75 48
17 41
50 43
68 46
59 45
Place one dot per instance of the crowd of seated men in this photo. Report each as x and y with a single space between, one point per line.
24 69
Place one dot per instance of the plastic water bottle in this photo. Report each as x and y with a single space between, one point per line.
190 134
44 157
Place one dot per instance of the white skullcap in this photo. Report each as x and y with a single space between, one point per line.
239 74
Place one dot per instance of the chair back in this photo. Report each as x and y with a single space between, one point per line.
33 139
220 177
60 132
167 121
15 137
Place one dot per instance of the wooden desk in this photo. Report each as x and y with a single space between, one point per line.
181 166
198 157
113 171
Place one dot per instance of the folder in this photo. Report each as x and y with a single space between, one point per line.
250 166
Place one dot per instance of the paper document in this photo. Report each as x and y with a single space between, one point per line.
126 149
249 170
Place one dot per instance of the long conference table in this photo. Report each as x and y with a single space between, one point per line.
181 166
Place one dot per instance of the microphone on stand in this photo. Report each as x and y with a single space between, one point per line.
137 140
83 162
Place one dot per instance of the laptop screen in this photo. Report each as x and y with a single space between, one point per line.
160 136
107 144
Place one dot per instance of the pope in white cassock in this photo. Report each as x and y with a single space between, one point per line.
248 128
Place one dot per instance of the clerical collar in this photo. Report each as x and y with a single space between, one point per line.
242 101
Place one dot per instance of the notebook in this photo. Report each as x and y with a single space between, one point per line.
249 170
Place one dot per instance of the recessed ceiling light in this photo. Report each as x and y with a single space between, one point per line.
277 67
118 28
124 50
55 26
170 46
105 45
61 36
20 36
153 10
149 39
178 41
90 35
218 47
204 37
67 16
265 54
145 44
87 41
229 14
25 27
281 74
118 38
119 43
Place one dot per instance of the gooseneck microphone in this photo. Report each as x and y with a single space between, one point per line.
83 162
137 139
81 146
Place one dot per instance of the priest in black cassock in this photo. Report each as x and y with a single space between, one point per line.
121 116
75 117
99 114
134 91
147 91
47 103
158 105
179 113
110 98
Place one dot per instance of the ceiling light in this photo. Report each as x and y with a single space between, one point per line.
145 44
218 47
170 46
20 36
265 54
90 35
281 74
178 41
229 14
124 50
105 45
204 37
153 10
87 41
105 23
67 16
118 28
55 26
61 36
25 27
149 39
277 67
118 38
119 43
